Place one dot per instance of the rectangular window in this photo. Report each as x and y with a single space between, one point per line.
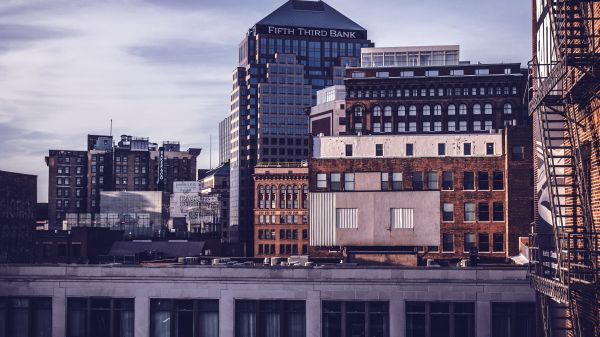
433 319
448 243
484 211
402 218
25 316
448 212
355 318
96 317
469 181
409 150
469 211
385 181
498 211
441 149
336 182
483 181
432 180
498 181
489 149
379 150
412 127
417 181
498 243
513 319
348 181
469 242
348 150
447 181
270 318
321 180
397 183
467 149
484 242
517 153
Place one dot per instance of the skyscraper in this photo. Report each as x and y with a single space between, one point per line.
284 59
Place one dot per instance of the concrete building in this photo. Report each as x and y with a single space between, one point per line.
18 202
228 301
404 199
284 59
281 210
328 116
421 56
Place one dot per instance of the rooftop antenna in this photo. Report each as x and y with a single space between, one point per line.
111 127
210 151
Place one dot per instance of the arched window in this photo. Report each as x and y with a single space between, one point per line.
451 109
426 110
358 111
487 109
304 196
377 111
412 110
387 111
295 197
462 109
437 110
402 110
261 196
288 197
476 109
507 109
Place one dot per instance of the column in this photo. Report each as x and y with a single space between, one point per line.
397 317
313 314
59 312
483 316
226 314
141 316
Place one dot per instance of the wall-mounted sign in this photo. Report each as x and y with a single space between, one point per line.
312 32
186 187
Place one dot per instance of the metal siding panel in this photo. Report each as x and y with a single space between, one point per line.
322 219
346 218
402 218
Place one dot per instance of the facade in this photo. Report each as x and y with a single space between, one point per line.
216 184
328 116
224 140
409 56
18 202
281 210
249 301
564 105
284 59
422 196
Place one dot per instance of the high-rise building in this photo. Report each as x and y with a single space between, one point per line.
224 140
284 59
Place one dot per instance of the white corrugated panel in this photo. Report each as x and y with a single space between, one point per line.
402 218
346 217
322 219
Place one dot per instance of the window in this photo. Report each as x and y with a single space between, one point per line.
409 150
349 182
484 243
476 109
469 181
437 110
25 316
358 111
321 180
513 319
498 181
482 71
377 127
432 73
434 319
467 149
385 181
488 109
412 127
477 126
469 211
451 109
498 211
379 150
401 110
469 242
397 183
348 150
412 110
487 126
462 109
270 318
451 126
401 127
426 110
387 127
517 153
426 126
448 212
336 182
447 243
441 149
507 109
498 243
447 181
483 180
432 181
355 318
417 181
437 126
489 149
96 317
462 126
387 111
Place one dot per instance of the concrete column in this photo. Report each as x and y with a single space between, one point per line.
483 317
313 314
397 317
142 316
226 314
59 312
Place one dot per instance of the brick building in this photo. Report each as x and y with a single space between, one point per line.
67 184
281 210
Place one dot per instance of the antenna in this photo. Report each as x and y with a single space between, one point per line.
111 127
210 151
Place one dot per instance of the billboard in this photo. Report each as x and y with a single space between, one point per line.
186 187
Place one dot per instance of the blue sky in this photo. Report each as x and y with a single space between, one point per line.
162 68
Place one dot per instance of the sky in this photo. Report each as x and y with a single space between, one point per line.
162 68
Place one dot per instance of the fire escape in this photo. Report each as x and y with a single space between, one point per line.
564 254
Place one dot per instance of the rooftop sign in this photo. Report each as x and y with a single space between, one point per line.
311 32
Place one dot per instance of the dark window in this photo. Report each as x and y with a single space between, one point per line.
417 181
447 181
25 316
336 181
489 149
467 149
498 212
498 242
448 212
348 150
270 318
178 318
91 317
441 149
517 153
379 150
432 181
397 182
484 242
349 319
385 181
469 181
62 250
483 180
498 183
513 319
409 150
469 242
433 319
484 211
448 242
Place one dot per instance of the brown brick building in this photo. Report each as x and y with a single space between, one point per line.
281 210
